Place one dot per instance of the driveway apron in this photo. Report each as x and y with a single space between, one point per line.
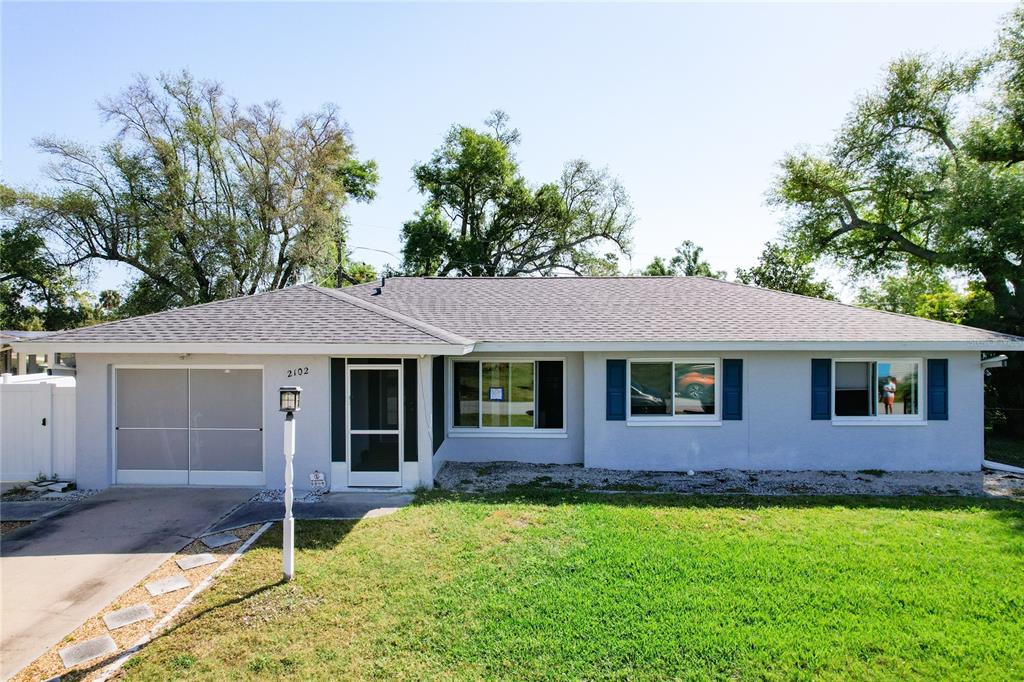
58 572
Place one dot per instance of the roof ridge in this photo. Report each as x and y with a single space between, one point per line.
904 316
425 327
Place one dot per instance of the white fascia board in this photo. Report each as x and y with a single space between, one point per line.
338 349
638 346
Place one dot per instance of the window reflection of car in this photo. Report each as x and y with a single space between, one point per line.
644 401
697 384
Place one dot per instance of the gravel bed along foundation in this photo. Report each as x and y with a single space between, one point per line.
23 494
498 476
278 496
49 664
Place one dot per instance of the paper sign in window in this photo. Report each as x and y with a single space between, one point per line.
496 393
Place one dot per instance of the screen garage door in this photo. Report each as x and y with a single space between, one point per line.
189 426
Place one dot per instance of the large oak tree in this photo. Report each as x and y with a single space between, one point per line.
201 197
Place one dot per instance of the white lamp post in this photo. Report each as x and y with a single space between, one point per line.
289 405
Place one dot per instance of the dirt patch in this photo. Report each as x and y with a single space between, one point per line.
503 476
49 664
1004 484
7 526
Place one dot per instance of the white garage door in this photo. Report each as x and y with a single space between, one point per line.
197 426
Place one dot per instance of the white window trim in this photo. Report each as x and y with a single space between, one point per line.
674 419
883 419
502 431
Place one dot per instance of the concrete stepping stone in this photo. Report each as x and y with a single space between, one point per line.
165 585
195 561
58 487
127 616
72 655
219 540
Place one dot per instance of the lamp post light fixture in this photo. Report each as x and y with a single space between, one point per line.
289 397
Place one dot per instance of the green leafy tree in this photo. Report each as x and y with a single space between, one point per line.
202 198
657 268
482 218
897 190
926 293
688 261
37 293
359 273
784 269
110 301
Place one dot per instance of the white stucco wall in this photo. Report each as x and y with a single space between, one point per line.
777 431
565 448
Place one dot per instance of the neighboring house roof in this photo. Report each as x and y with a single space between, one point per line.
654 309
451 314
303 314
18 334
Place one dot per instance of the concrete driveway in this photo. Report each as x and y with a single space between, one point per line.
62 570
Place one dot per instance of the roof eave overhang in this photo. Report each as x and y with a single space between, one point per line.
338 349
641 346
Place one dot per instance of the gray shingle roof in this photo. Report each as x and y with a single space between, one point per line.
678 309
301 314
414 310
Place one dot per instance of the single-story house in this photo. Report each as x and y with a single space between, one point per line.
15 363
402 375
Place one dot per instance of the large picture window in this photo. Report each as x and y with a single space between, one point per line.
507 394
877 388
687 389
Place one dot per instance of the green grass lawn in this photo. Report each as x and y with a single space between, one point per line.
1005 449
567 586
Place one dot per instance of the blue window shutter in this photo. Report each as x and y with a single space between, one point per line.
410 379
616 391
338 445
821 388
732 389
938 389
438 399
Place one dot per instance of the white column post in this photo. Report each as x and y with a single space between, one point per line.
289 474
425 415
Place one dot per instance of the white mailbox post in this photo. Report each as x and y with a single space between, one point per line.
289 405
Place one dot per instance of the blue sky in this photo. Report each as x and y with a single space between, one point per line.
690 105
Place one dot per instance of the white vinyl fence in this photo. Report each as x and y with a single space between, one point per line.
37 428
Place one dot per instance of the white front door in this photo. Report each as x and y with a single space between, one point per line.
374 425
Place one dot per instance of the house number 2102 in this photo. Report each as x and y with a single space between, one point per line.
298 372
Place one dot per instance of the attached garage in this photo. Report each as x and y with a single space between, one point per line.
189 426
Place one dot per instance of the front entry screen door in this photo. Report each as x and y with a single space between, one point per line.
375 428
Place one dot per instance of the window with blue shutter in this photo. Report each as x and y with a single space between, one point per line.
732 390
616 391
821 388
938 389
